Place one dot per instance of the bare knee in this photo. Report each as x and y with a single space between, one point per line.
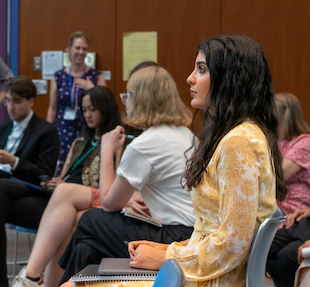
62 193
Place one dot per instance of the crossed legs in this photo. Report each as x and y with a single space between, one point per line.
57 225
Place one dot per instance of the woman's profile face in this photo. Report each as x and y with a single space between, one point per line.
199 80
78 51
91 114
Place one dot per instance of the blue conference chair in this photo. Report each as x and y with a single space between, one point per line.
170 275
256 266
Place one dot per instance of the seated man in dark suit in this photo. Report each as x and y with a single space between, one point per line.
28 144
29 147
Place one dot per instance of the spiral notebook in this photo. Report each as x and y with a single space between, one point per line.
114 269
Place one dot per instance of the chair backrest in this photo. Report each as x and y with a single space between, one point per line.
24 229
170 275
256 266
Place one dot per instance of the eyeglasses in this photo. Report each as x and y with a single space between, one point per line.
13 102
125 96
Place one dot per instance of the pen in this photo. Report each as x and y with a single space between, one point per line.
127 136
126 243
56 168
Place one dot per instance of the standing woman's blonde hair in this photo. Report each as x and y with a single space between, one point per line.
76 35
155 100
290 117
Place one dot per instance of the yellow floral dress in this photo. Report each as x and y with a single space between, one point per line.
236 195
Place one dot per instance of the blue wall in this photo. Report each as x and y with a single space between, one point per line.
14 36
13 53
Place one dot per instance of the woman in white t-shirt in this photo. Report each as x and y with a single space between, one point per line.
152 163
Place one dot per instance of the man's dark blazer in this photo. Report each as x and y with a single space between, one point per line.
38 149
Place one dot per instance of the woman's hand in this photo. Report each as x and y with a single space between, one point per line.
133 245
84 84
296 216
137 200
113 140
52 184
147 254
299 253
115 191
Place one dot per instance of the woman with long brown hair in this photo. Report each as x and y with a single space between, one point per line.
294 144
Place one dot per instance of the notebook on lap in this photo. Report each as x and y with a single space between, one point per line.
113 269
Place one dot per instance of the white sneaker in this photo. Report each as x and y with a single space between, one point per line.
21 280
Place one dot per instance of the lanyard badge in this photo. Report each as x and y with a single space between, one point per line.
70 113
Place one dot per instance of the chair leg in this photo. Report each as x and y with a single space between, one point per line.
15 253
15 259
29 242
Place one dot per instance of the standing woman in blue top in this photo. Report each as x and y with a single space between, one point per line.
67 85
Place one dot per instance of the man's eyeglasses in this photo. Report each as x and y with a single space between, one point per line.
13 102
125 96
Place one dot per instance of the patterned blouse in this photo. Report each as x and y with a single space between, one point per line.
237 193
298 186
91 167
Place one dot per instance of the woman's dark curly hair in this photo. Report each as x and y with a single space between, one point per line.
240 89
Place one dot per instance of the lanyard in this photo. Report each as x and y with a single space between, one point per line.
73 95
82 156
7 139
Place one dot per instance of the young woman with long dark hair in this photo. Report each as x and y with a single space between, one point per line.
234 174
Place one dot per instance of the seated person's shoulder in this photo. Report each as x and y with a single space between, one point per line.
44 124
44 129
246 136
